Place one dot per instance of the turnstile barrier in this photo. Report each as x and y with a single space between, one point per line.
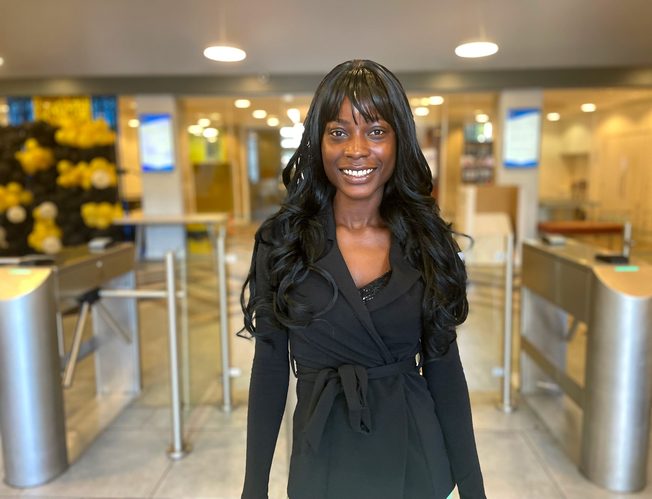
32 419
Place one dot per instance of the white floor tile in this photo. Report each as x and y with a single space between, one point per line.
566 473
511 468
120 463
214 468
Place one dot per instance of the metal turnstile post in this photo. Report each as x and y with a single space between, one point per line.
618 391
31 399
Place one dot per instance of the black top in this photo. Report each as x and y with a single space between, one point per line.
368 423
369 291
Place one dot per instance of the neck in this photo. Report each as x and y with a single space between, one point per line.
357 214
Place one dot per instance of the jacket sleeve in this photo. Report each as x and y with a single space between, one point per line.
267 393
447 385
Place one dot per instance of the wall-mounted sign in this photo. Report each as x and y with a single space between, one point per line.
156 143
522 138
60 110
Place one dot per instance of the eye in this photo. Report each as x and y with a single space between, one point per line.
377 132
337 132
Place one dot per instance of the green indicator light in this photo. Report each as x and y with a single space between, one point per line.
20 272
626 268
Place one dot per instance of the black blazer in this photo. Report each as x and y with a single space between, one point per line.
366 423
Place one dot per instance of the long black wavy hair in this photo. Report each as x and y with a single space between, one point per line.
295 236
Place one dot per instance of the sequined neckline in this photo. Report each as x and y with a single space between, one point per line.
369 291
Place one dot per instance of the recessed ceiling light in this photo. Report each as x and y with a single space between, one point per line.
482 118
422 111
553 116
476 49
435 100
588 107
203 122
290 143
195 129
224 53
294 114
259 114
133 123
288 132
273 121
242 103
210 133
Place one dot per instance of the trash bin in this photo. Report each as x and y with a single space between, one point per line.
32 420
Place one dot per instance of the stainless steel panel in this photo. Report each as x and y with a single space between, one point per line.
560 276
80 270
618 380
543 324
31 399
117 362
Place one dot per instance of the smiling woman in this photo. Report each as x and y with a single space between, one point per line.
351 280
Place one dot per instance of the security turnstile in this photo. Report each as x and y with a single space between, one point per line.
563 286
31 399
32 418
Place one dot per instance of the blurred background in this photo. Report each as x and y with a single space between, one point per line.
113 109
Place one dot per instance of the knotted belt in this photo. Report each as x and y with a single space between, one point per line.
353 381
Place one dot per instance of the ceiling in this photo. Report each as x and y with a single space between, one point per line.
94 38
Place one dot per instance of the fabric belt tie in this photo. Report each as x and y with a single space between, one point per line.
353 381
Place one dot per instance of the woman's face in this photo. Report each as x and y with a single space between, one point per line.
359 156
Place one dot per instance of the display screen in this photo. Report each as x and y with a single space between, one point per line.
156 143
626 268
522 138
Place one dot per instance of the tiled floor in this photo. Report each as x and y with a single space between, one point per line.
520 457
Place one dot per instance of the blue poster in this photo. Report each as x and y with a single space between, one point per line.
105 107
522 138
21 110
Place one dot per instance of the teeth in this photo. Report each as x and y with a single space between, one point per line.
358 173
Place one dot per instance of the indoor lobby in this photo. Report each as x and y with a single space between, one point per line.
538 152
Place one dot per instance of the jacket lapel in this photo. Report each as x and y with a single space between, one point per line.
403 276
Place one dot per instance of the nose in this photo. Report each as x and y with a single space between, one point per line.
356 146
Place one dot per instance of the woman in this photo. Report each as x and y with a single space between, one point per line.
355 277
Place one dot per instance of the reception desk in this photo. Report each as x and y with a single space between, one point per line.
564 287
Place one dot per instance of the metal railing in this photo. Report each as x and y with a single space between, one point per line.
506 402
178 447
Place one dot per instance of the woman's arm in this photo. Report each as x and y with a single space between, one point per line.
267 395
267 392
447 385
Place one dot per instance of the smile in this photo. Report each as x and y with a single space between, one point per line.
357 173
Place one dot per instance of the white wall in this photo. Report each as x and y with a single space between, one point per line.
527 179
